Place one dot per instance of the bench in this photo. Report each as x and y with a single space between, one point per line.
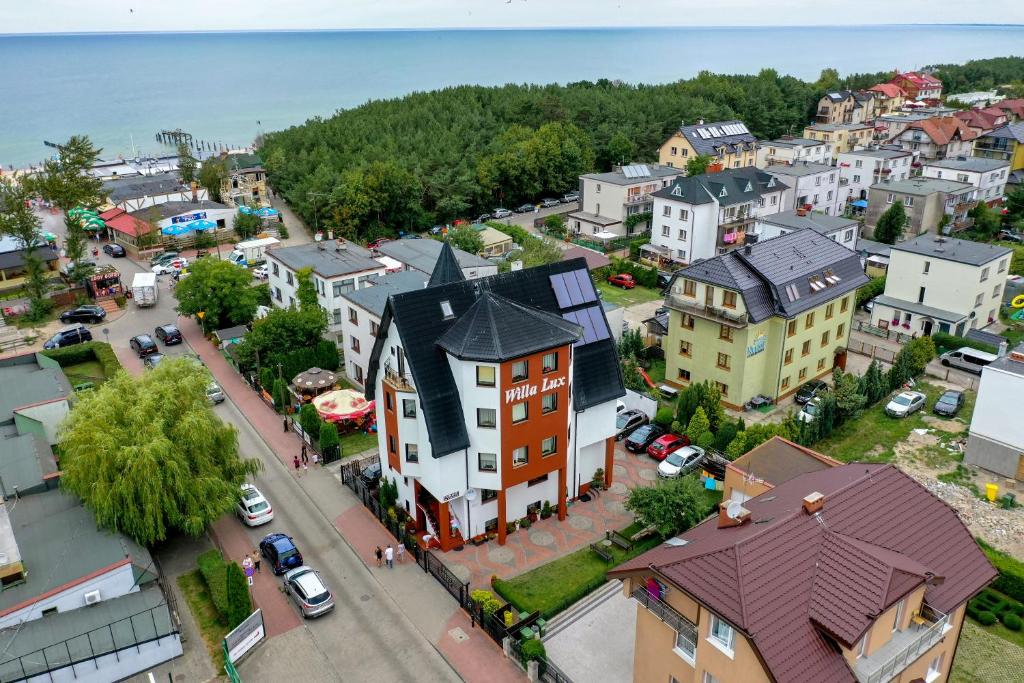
618 539
643 533
601 552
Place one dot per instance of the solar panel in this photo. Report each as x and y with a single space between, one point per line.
597 322
572 287
586 285
714 132
628 171
560 292
743 128
642 171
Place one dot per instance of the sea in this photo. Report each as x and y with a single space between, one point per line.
229 88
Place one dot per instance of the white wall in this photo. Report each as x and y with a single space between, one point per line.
819 154
997 409
116 666
361 330
689 238
137 203
520 496
821 190
226 215
990 185
862 177
112 584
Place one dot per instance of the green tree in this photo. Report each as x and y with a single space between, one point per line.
237 588
282 398
847 392
246 225
631 345
309 420
901 370
631 376
725 434
698 165
281 332
688 402
17 220
329 441
737 447
698 425
986 221
621 148
555 225
534 252
149 456
65 180
211 174
220 290
467 239
711 402
828 81
671 506
186 164
891 224
1014 205
874 383
306 291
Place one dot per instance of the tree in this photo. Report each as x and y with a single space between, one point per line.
284 331
725 434
698 165
688 402
211 174
621 148
237 589
220 290
631 377
874 384
847 392
986 221
534 252
698 425
467 239
901 370
17 220
737 447
149 456
671 506
306 291
329 440
186 164
555 225
281 396
1014 205
309 420
891 224
65 180
246 225
711 402
631 345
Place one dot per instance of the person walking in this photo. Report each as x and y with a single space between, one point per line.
389 556
296 462
256 560
401 552
380 554
305 456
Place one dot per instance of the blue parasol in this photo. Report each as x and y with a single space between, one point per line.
201 224
267 213
176 229
248 210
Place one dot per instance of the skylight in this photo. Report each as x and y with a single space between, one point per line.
816 283
792 292
446 309
831 278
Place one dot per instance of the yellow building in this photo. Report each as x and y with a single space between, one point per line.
245 181
729 143
843 137
1005 143
806 582
763 319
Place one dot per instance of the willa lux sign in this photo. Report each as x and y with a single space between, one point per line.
760 342
525 391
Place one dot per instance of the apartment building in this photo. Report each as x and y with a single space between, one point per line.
493 397
843 137
836 228
806 582
942 284
944 137
889 98
789 149
729 143
1005 143
763 319
423 255
996 440
609 200
846 106
918 85
925 201
862 168
988 176
814 187
701 216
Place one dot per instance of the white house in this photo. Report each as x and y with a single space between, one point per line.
862 168
607 200
996 440
987 175
836 228
811 186
789 149
170 213
422 255
941 284
940 137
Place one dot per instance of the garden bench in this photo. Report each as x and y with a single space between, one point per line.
601 552
647 531
618 539
877 331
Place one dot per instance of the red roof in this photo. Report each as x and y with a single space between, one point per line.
919 79
985 119
1014 107
782 577
129 225
593 258
888 89
111 213
942 129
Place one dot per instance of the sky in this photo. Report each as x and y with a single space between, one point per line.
83 16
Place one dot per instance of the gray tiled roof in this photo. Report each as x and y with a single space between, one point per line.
873 248
423 254
953 249
816 221
374 297
711 146
35 384
976 164
793 142
706 188
799 169
833 127
142 186
919 309
921 186
326 259
1014 131
620 178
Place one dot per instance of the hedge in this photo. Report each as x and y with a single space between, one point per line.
83 353
869 291
1011 572
986 618
214 570
948 342
1012 621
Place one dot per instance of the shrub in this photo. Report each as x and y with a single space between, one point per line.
82 353
533 650
948 342
663 417
214 570
869 291
237 589
1012 621
329 438
267 378
280 394
1011 572
310 420
986 618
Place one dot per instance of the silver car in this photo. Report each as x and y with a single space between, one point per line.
308 591
215 393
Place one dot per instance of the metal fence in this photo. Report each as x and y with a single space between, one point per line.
546 670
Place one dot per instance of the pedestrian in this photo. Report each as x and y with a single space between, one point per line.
256 559
305 457
305 467
380 554
286 424
401 552
389 556
296 462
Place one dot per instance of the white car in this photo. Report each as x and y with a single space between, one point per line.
809 411
260 273
501 213
253 509
680 462
904 403
215 393
171 268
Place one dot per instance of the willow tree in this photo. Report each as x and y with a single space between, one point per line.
148 455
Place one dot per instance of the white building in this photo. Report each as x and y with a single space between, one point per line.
862 168
996 440
836 228
139 192
789 149
170 213
811 186
942 284
607 200
987 175
422 255
940 137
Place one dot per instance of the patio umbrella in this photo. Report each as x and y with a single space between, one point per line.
342 404
92 222
201 224
176 229
79 211
267 213
49 236
314 378
248 210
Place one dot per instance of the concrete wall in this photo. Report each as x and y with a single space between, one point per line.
112 583
1004 460
996 440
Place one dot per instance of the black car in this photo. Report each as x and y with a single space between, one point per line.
371 475
525 208
281 553
627 421
76 334
809 390
643 437
83 314
949 404
115 250
168 334
143 345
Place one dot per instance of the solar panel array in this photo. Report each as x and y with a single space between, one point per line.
593 323
636 171
721 131
578 303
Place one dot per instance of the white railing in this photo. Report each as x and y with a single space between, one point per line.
908 654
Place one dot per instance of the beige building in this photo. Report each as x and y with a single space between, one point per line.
245 182
843 137
925 201
609 200
847 106
729 143
808 583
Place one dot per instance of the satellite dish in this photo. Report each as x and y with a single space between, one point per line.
471 495
733 510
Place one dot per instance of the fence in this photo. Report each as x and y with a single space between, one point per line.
604 247
546 671
872 351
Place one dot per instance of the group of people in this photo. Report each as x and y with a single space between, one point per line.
302 460
388 555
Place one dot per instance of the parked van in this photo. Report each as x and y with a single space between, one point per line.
966 358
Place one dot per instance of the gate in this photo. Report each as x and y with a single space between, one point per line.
453 584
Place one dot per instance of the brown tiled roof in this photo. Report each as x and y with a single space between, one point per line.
1014 107
778 460
760 576
942 129
986 119
888 89
593 258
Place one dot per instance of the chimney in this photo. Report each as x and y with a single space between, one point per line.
341 245
746 249
700 122
731 513
813 502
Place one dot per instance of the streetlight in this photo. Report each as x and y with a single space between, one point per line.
106 335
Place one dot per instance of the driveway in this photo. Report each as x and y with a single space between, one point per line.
595 641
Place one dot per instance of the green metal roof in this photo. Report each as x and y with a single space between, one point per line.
35 385
24 460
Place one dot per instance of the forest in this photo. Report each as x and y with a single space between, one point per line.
430 157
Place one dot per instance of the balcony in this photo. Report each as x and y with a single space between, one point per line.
963 223
694 308
903 649
637 198
844 181
673 619
402 381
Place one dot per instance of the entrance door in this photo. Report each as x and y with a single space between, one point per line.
927 328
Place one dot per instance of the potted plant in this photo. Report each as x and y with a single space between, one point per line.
510 527
491 535
545 511
532 515
598 480
524 523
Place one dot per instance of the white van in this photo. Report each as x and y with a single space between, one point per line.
966 358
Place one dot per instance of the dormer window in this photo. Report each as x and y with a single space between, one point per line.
816 283
446 310
723 193
831 278
748 188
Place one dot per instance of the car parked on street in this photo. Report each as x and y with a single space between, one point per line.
143 345
810 390
548 202
644 436
308 590
525 208
152 360
570 197
252 508
76 334
215 393
624 280
280 552
163 257
665 445
681 462
168 334
627 421
114 250
501 213
84 314
949 404
904 403
261 273
483 218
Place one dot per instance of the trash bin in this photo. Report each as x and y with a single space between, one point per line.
991 491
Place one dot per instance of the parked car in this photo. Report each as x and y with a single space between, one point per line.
143 345
84 314
375 244
680 462
76 334
168 334
570 197
152 360
252 508
261 273
1011 236
215 393
949 404
172 267
309 591
810 390
810 410
483 218
966 358
624 280
114 250
525 208
665 445
627 421
869 305
501 213
643 437
280 552
904 403
371 475
548 202
163 257
664 279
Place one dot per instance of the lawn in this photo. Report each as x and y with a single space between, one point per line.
626 297
89 371
982 657
357 442
657 370
201 606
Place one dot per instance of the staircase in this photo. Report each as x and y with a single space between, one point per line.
582 608
108 304
10 337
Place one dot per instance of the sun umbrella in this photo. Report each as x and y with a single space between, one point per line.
78 211
248 210
342 404
176 229
314 378
201 224
92 222
49 236
267 213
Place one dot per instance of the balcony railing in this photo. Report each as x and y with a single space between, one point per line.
399 380
739 221
710 312
676 621
638 198
903 649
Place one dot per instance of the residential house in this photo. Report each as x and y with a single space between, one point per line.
789 149
1014 109
980 98
494 396
996 439
135 234
617 203
942 284
814 187
875 257
1005 143
925 201
982 121
245 182
496 243
889 98
171 213
702 216
42 399
918 85
937 138
769 464
889 125
836 228
594 259
988 176
763 319
139 192
423 255
849 574
13 253
862 168
655 329
843 137
728 143
847 106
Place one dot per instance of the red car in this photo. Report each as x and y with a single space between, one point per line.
624 280
670 443
375 244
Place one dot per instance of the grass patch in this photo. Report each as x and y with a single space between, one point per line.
627 297
983 657
357 442
200 604
87 371
657 370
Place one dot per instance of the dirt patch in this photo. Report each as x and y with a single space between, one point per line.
952 426
875 451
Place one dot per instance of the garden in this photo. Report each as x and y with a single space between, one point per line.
1000 607
86 365
218 598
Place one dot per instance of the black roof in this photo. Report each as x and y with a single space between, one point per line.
721 136
447 268
731 186
422 323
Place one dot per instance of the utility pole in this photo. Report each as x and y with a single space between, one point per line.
316 208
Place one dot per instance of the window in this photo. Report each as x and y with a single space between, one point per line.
996 292
824 338
908 201
723 389
672 151
1002 266
725 333
277 294
488 462
684 214
666 211
897 625
355 344
858 164
856 178
806 349
388 401
844 304
535 508
721 634
519 412
785 383
689 288
723 361
809 321
890 199
840 331
520 456
708 678
486 417
802 375
412 452
828 311
520 371
821 365
665 231
927 267
289 278
977 301
550 361
684 375
729 299
391 444
791 328
274 268
935 668
549 445
336 316
685 647
374 329
686 321
446 310
344 287
549 403
597 188
353 316
685 348
760 202
984 274
408 407
484 376
682 235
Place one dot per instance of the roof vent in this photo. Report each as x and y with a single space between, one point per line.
732 513
814 502
341 245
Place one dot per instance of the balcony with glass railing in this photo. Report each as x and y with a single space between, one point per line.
661 609
904 648
399 379
695 308
638 198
